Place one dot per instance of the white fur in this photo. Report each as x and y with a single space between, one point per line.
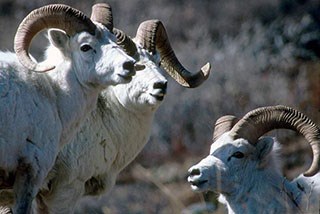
111 137
42 112
254 183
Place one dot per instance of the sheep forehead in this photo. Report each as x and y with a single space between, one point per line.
223 140
226 144
151 62
144 79
102 33
146 56
151 73
102 37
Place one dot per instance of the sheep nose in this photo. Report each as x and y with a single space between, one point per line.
194 171
162 85
128 65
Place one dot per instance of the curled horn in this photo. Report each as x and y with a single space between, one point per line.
126 43
262 120
102 13
60 16
222 125
152 36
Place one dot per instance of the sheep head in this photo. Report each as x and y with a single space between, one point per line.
152 50
241 150
147 88
89 47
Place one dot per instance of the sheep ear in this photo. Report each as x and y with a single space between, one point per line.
264 147
58 38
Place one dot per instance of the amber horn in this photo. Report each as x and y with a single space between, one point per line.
262 120
102 13
222 125
152 36
126 43
59 16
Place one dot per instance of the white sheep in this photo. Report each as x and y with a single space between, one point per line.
245 169
119 128
41 112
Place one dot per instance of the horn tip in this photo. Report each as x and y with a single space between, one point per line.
310 173
206 69
315 166
202 75
43 68
225 118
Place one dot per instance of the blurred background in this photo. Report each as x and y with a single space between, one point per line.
262 53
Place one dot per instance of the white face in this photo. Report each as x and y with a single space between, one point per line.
98 60
147 88
224 168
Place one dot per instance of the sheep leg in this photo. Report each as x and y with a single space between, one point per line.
62 200
40 205
25 188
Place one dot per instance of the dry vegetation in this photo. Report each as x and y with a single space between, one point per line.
262 52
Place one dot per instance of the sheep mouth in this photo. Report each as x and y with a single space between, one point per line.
197 184
125 77
159 96
158 93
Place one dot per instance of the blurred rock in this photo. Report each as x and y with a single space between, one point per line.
199 208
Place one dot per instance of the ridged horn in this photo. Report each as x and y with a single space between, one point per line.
262 120
126 43
102 13
222 125
152 36
60 16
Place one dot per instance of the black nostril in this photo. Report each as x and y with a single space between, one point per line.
160 85
128 65
195 171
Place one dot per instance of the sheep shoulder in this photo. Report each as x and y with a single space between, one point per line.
24 98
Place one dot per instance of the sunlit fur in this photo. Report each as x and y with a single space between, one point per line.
253 183
42 112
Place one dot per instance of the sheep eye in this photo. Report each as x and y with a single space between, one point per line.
238 155
85 48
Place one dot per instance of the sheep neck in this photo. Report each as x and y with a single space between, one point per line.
107 129
278 196
128 142
80 101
